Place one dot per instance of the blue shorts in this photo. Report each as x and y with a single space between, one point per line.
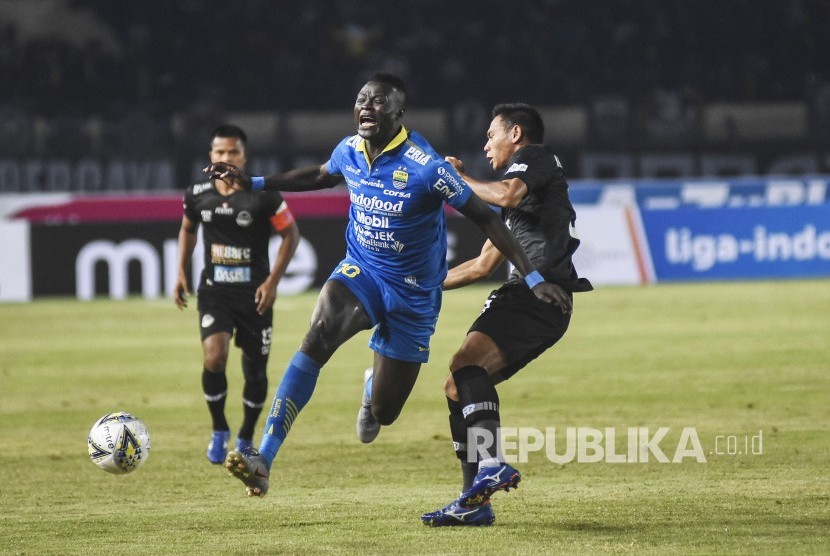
405 316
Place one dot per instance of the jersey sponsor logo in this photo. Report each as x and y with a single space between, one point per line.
353 141
516 167
373 203
450 177
393 193
444 189
200 188
352 169
244 219
400 178
351 182
229 254
207 216
371 220
416 154
372 183
231 274
224 209
448 185
372 234
376 241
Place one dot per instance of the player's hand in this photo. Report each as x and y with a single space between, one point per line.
180 294
264 297
230 174
457 164
551 293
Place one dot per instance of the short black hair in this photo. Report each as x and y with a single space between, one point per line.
523 115
389 79
230 130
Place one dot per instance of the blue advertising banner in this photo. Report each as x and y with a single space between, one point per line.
704 193
739 243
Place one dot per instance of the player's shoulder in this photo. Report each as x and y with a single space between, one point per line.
419 154
538 153
200 188
350 142
535 158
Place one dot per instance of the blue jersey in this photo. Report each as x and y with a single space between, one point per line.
396 220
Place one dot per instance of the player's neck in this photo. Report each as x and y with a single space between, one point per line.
223 188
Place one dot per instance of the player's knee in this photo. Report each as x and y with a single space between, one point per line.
215 363
462 359
321 340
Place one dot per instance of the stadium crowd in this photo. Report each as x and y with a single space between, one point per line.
132 65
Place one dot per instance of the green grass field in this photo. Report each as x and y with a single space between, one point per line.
729 360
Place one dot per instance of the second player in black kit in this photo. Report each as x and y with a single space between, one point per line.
514 327
238 285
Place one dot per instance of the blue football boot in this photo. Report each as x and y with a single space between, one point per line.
455 514
489 480
218 447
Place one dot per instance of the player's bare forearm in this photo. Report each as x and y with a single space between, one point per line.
460 276
187 243
308 178
474 270
267 293
507 193
498 233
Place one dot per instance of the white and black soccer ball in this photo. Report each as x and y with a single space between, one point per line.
119 443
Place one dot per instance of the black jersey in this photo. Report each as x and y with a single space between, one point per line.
543 219
236 230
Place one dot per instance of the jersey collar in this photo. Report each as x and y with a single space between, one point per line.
396 141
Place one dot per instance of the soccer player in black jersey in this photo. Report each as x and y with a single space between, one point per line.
514 328
238 286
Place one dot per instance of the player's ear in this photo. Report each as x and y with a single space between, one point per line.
400 113
516 133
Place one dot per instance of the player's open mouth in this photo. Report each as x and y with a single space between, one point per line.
367 122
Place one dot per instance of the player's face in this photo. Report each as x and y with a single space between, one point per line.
500 145
228 149
377 112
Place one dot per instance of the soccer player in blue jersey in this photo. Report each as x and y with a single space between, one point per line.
391 276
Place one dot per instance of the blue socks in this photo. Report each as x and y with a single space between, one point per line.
293 393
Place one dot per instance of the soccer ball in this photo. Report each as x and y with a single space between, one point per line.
118 443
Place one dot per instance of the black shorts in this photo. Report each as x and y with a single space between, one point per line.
522 325
229 310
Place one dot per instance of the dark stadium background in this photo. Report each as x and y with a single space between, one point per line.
140 84
109 105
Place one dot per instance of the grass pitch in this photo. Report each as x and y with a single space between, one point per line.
730 361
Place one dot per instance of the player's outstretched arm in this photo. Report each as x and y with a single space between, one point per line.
308 178
476 210
476 269
505 193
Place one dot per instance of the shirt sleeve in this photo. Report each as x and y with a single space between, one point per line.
446 183
534 170
188 205
334 166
